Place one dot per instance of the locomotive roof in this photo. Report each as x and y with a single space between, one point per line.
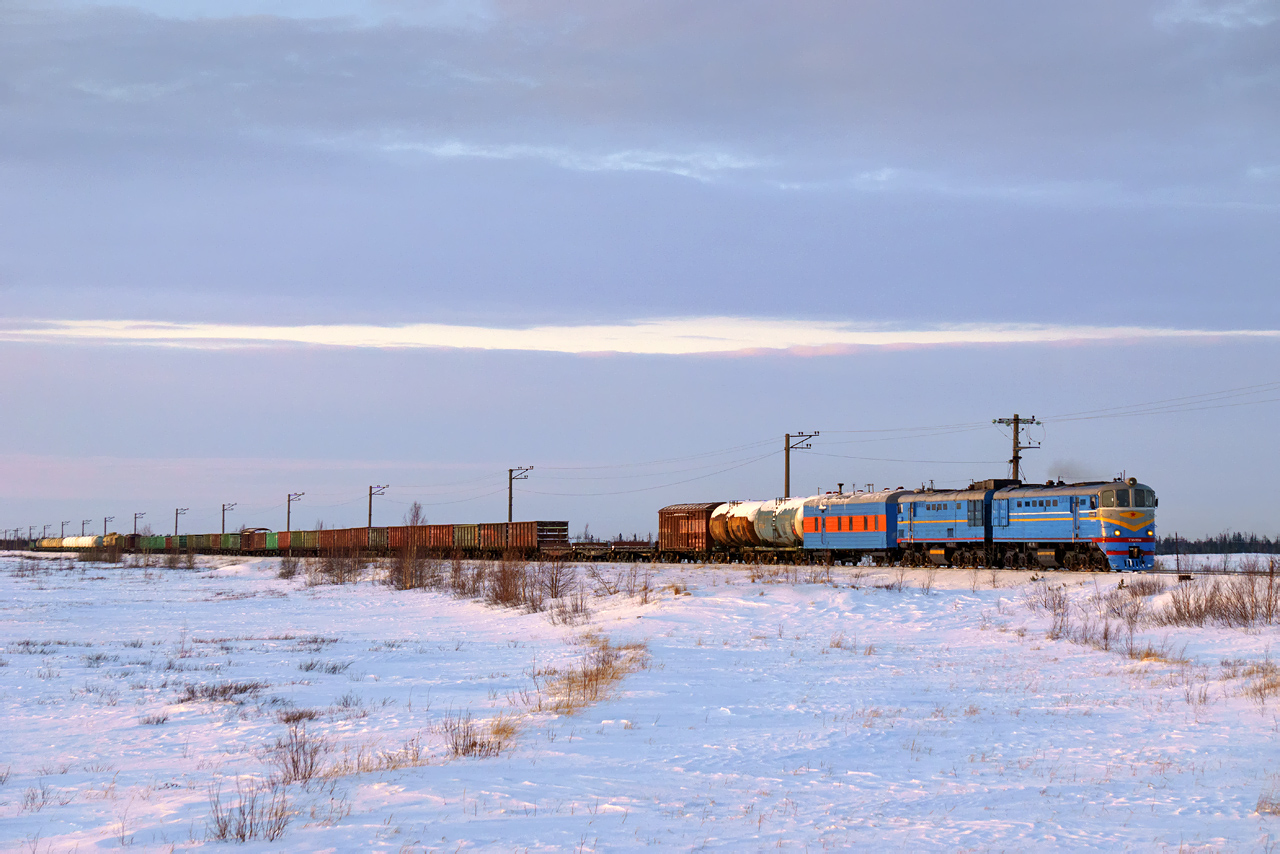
1086 487
943 495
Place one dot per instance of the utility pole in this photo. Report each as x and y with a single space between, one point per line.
105 520
1017 422
84 522
225 508
375 490
788 445
45 532
288 516
136 517
518 473
64 528
176 513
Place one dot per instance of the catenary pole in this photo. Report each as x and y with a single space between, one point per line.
1017 422
375 490
801 442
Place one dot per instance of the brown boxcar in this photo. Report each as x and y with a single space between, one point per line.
345 539
420 537
525 536
686 527
283 540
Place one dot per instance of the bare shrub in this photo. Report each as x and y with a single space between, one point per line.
261 811
464 737
557 578
571 609
153 720
297 754
899 579
818 574
220 691
1238 601
292 716
288 567
337 567
330 667
930 577
1146 586
602 583
506 586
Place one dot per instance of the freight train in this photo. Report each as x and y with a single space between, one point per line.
1098 525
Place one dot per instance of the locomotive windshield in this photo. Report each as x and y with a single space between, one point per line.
1121 498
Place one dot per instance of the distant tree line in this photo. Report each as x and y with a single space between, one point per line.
1228 542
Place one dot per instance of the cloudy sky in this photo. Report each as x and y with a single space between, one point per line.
252 247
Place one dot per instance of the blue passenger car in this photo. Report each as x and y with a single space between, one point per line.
859 522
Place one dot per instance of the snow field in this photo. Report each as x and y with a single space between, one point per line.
865 713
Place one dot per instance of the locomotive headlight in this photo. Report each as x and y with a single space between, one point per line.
1149 533
1117 532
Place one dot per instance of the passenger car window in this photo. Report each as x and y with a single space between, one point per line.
1109 498
1122 498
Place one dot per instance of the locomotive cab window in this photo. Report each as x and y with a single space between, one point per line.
1122 498
1109 499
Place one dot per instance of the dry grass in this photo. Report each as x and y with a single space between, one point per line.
220 691
601 667
368 758
293 716
1268 804
1240 602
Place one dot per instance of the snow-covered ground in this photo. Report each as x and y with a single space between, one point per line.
767 714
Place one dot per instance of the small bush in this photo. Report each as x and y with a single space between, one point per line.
154 720
261 811
220 691
330 667
288 567
293 716
297 754
463 736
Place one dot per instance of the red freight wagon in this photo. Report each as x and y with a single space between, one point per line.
685 527
420 537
